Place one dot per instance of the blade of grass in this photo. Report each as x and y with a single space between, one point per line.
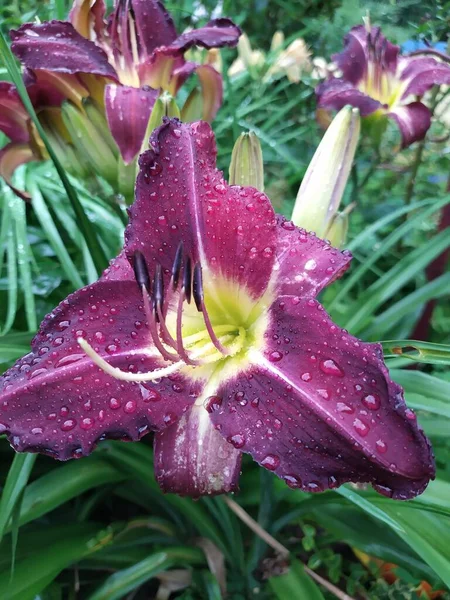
393 280
426 352
24 258
388 243
16 481
382 323
89 233
45 219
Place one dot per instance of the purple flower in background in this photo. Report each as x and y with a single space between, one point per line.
379 81
206 329
104 76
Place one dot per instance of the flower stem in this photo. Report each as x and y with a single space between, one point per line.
273 543
414 170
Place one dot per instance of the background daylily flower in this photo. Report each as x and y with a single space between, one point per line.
207 330
119 65
291 62
380 82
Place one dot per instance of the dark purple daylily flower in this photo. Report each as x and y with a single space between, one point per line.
121 63
377 80
207 330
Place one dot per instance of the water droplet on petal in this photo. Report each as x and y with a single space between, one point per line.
361 427
306 377
275 356
87 423
37 430
130 407
330 367
68 425
114 403
238 441
381 446
371 401
292 481
213 403
270 462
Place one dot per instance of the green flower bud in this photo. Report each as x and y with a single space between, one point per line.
323 185
247 167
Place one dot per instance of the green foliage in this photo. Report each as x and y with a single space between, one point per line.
100 528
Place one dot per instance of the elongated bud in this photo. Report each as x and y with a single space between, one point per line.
247 167
323 185
277 41
245 50
193 107
89 142
165 106
338 229
98 119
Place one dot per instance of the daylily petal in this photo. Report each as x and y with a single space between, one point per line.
211 84
182 197
306 264
336 93
58 87
212 90
13 116
154 25
193 459
421 74
128 110
56 400
216 34
57 46
414 120
318 408
12 156
158 69
87 17
356 54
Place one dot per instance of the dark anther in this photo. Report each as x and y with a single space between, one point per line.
197 288
158 288
187 279
176 268
141 271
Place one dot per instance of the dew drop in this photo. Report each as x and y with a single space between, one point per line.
130 407
111 349
306 377
37 430
68 425
342 407
381 446
270 462
170 418
330 367
114 404
275 356
87 423
409 414
213 403
238 441
371 401
292 481
324 393
360 427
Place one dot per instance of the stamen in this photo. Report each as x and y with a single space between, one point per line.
200 303
197 288
187 279
176 267
151 319
158 290
124 375
141 271
180 346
